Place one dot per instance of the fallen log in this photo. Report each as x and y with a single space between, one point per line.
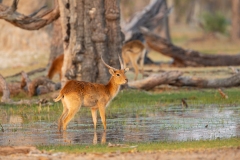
183 57
175 78
32 72
155 80
38 86
231 81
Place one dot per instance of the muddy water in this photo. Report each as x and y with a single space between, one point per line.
172 123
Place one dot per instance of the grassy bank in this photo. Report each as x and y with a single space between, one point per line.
132 101
155 146
141 100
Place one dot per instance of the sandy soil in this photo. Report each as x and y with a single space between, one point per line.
31 153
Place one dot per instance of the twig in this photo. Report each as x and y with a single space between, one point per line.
28 73
184 103
2 127
6 92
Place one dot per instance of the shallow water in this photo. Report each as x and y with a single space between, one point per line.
172 123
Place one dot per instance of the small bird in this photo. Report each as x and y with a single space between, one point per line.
234 70
222 93
184 103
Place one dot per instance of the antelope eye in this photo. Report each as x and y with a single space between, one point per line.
118 74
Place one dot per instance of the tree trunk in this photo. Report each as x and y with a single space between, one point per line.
235 31
56 42
184 57
90 29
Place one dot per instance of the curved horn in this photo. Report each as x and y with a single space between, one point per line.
107 64
121 62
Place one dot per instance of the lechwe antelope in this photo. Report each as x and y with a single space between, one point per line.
134 51
56 67
95 96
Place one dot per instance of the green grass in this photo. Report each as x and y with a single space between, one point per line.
193 96
154 146
131 101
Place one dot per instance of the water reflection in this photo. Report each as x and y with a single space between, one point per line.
170 123
71 138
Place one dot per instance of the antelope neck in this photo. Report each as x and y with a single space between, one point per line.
112 87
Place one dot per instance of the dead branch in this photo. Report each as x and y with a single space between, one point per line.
184 57
25 81
28 73
30 22
150 17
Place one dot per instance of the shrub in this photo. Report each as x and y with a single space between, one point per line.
214 22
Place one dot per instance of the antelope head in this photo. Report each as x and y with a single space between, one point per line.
118 75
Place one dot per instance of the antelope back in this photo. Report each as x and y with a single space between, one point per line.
56 67
135 47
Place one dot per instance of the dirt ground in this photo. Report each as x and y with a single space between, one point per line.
31 153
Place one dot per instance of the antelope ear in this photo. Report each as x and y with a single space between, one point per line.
111 71
126 69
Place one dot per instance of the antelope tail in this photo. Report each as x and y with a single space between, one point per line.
60 96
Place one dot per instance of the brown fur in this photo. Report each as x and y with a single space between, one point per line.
132 52
56 67
93 95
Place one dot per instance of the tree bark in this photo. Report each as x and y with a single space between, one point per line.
184 57
207 83
5 90
114 34
90 29
56 41
235 31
